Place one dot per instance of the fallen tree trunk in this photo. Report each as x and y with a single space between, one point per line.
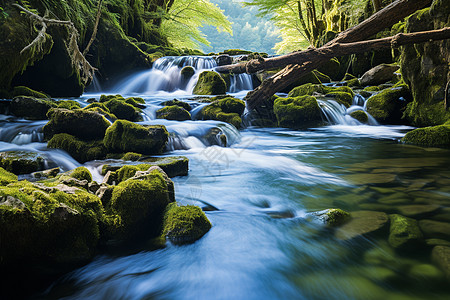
299 64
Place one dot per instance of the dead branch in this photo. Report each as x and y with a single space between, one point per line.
94 32
77 58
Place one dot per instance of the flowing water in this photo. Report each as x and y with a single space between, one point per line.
259 191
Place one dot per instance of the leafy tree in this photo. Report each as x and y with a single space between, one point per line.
182 20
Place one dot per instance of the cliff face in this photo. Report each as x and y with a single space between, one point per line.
48 67
425 67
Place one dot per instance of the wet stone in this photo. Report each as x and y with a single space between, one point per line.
437 242
441 257
378 207
362 223
425 272
370 179
12 202
417 211
435 229
404 233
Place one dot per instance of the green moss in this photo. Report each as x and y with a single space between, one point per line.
404 233
297 112
106 98
331 68
140 204
187 72
131 156
429 136
68 104
387 106
372 89
6 177
354 83
337 217
310 89
124 136
136 100
122 110
185 224
342 97
210 83
182 104
25 91
173 112
226 109
349 76
81 173
235 52
30 108
127 172
80 150
360 115
80 123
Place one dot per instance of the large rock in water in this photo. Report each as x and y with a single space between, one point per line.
378 75
297 112
125 136
81 150
388 106
82 124
227 109
173 112
429 136
405 233
21 162
441 257
210 83
30 108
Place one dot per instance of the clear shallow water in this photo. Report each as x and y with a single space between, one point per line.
261 245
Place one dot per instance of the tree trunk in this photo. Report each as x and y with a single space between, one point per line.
305 61
376 5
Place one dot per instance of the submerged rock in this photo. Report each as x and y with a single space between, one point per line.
82 124
378 75
360 115
179 103
441 257
210 83
435 229
362 223
404 233
297 112
185 224
30 108
125 136
173 112
332 217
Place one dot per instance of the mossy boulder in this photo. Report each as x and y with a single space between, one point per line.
131 156
101 109
81 173
378 75
187 72
80 123
404 233
331 68
341 97
360 115
185 224
182 104
314 77
297 112
436 136
30 108
173 112
140 204
332 217
388 106
80 150
123 110
210 83
25 91
226 109
68 104
21 162
7 177
310 89
125 136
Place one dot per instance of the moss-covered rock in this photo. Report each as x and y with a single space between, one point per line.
372 89
124 136
379 74
354 83
131 156
404 233
80 150
429 136
21 162
185 224
297 112
360 115
331 68
25 91
388 106
6 177
30 108
140 204
123 110
309 89
81 173
210 83
314 77
80 123
342 97
226 109
187 72
182 104
68 104
332 217
173 112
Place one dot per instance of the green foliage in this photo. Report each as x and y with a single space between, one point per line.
3 14
182 21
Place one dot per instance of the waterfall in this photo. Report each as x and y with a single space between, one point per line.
165 76
337 114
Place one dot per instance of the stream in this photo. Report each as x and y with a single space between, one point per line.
258 193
